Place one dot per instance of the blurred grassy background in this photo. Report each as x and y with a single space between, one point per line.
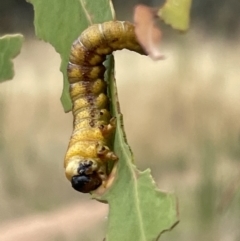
182 119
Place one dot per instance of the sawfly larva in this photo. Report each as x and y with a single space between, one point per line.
93 127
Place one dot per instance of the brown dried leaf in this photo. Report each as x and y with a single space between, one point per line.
148 33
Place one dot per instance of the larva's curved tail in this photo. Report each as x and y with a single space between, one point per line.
89 148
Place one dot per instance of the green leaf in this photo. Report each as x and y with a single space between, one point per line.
10 46
176 13
138 211
60 22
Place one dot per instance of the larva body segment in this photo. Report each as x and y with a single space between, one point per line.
89 147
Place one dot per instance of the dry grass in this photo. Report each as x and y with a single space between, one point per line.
182 118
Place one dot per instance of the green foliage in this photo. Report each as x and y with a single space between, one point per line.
10 46
176 13
138 211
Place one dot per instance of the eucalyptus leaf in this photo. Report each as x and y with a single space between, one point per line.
10 46
60 22
176 13
137 209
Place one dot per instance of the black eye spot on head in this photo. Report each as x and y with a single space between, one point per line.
85 167
86 183
101 127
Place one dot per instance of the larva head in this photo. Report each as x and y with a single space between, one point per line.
84 174
86 183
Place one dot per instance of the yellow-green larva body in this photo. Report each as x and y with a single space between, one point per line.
89 148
